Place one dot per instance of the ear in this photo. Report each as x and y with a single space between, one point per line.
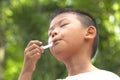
90 33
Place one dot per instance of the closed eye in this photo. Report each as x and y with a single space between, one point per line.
64 24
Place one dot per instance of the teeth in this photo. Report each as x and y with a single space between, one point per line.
47 46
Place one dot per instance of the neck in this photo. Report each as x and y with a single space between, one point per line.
79 64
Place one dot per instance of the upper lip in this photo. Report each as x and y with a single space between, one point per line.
55 40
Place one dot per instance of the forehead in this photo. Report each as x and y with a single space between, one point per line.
63 16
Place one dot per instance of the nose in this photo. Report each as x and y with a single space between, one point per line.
54 33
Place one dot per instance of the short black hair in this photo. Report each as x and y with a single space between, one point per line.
85 18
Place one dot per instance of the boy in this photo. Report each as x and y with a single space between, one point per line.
75 38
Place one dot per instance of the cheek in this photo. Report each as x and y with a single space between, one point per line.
73 35
74 38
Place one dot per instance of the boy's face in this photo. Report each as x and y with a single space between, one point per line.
67 33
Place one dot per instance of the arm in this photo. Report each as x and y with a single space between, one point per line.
25 76
32 54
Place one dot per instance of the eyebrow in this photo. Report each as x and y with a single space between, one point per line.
60 21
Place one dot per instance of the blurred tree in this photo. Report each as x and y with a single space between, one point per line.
1 43
24 20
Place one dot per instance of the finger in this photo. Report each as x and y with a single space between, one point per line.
35 51
37 42
30 48
37 56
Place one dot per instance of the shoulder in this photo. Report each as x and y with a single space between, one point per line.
104 72
108 75
95 75
103 75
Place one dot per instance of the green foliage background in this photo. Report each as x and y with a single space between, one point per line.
25 20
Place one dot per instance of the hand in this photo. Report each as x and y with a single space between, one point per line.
32 54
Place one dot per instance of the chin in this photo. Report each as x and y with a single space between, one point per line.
59 53
60 56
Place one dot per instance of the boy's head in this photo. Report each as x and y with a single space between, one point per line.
85 19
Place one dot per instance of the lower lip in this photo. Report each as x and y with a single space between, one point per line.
56 42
